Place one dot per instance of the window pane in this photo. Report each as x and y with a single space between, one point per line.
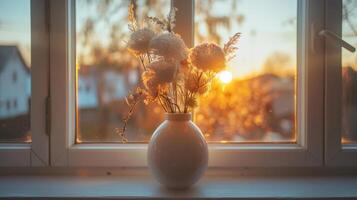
15 66
349 73
255 99
107 72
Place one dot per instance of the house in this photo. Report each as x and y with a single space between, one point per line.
349 103
101 100
282 104
15 93
15 83
87 91
116 87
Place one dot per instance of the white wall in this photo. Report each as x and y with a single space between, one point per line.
11 91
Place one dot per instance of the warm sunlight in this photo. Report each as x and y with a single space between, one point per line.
225 76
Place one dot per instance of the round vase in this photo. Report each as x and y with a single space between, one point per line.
177 152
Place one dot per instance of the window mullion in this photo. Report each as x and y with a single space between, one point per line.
185 20
40 82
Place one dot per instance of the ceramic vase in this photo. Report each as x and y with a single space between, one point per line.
177 152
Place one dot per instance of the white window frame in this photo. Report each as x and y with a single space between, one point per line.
307 152
35 153
336 153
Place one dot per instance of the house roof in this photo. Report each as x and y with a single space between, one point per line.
6 51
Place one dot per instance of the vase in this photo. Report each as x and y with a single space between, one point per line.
177 152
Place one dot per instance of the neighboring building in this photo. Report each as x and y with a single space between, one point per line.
101 101
282 91
281 108
15 83
87 91
115 87
349 103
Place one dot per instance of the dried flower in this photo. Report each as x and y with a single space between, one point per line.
171 18
139 41
230 48
150 82
192 102
208 57
168 23
133 25
170 46
132 101
160 22
172 75
136 96
164 71
197 82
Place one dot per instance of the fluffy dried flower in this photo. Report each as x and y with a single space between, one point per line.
170 46
139 41
150 82
164 71
208 57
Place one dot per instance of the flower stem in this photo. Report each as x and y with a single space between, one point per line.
142 63
126 119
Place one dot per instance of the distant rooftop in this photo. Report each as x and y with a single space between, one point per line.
6 51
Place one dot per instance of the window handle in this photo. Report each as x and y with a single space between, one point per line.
337 39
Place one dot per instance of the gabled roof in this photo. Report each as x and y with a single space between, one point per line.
6 51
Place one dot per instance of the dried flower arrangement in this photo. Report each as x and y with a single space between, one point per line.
173 75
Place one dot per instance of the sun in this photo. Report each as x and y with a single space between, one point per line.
225 76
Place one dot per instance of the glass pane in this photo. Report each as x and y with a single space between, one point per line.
107 72
255 99
349 73
15 66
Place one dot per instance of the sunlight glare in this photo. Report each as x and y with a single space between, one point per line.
225 76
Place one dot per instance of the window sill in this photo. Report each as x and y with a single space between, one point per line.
139 185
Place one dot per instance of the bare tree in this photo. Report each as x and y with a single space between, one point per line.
215 24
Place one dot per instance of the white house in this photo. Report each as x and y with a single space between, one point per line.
87 91
15 83
115 87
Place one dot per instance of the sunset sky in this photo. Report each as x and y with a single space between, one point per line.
15 25
266 30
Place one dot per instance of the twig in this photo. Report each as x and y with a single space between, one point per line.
162 105
142 63
126 119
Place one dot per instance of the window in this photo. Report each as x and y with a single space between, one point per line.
264 116
341 83
258 104
15 56
14 77
8 105
85 133
22 80
349 73
15 103
287 99
104 65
